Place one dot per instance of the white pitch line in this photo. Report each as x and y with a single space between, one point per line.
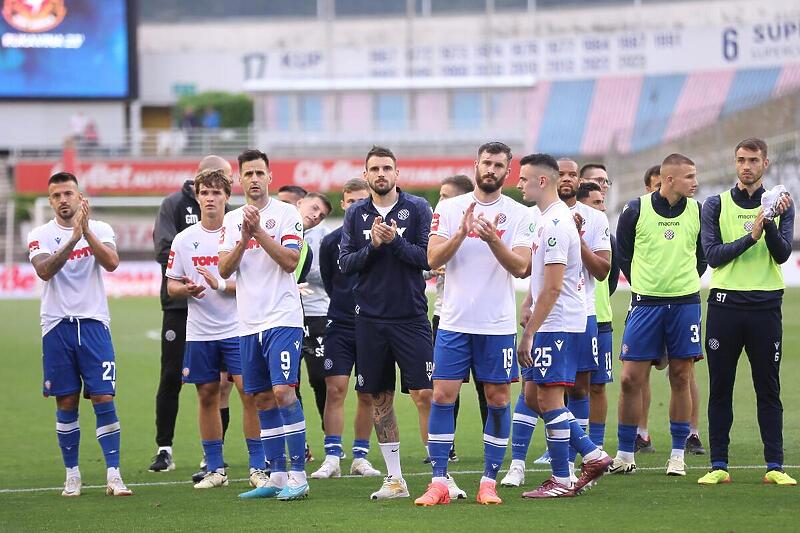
408 474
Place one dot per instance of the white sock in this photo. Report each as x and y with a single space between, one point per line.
571 466
442 480
298 476
73 471
643 433
391 456
625 456
563 480
279 479
518 462
593 456
169 450
485 479
679 453
112 473
693 431
332 459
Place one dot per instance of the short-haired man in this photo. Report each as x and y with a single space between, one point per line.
652 178
384 239
340 353
595 173
658 241
589 193
644 443
260 243
314 208
68 254
450 187
745 248
291 194
484 238
551 344
178 211
596 264
212 339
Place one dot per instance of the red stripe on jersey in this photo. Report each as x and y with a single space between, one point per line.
291 238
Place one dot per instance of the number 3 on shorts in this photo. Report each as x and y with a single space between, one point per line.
695 329
286 361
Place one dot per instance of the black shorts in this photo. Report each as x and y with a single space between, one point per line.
379 345
340 348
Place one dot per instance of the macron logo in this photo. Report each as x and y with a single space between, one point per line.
364 217
560 343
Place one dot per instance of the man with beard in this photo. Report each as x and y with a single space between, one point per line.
595 252
260 242
485 239
744 307
384 240
658 242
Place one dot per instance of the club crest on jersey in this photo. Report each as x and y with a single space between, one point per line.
669 234
748 226
328 364
185 372
624 349
403 214
269 224
713 344
501 218
360 380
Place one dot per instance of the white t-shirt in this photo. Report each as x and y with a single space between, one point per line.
557 241
597 236
479 292
316 303
213 317
77 289
266 295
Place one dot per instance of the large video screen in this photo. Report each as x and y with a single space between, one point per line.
65 49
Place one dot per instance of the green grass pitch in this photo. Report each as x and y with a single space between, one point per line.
32 472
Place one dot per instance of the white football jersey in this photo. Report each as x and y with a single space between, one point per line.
77 289
596 234
213 317
478 292
266 295
557 241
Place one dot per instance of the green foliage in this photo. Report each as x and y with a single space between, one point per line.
235 109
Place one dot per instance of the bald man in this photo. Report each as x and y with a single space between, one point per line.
178 211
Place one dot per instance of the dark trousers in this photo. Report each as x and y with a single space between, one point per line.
760 333
478 385
173 342
314 354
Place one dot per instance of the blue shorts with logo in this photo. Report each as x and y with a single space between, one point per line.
340 348
493 358
270 357
78 351
651 328
554 359
588 351
605 345
204 360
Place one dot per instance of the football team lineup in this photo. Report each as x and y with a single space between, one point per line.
266 287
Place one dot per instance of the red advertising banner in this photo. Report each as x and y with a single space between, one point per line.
137 177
